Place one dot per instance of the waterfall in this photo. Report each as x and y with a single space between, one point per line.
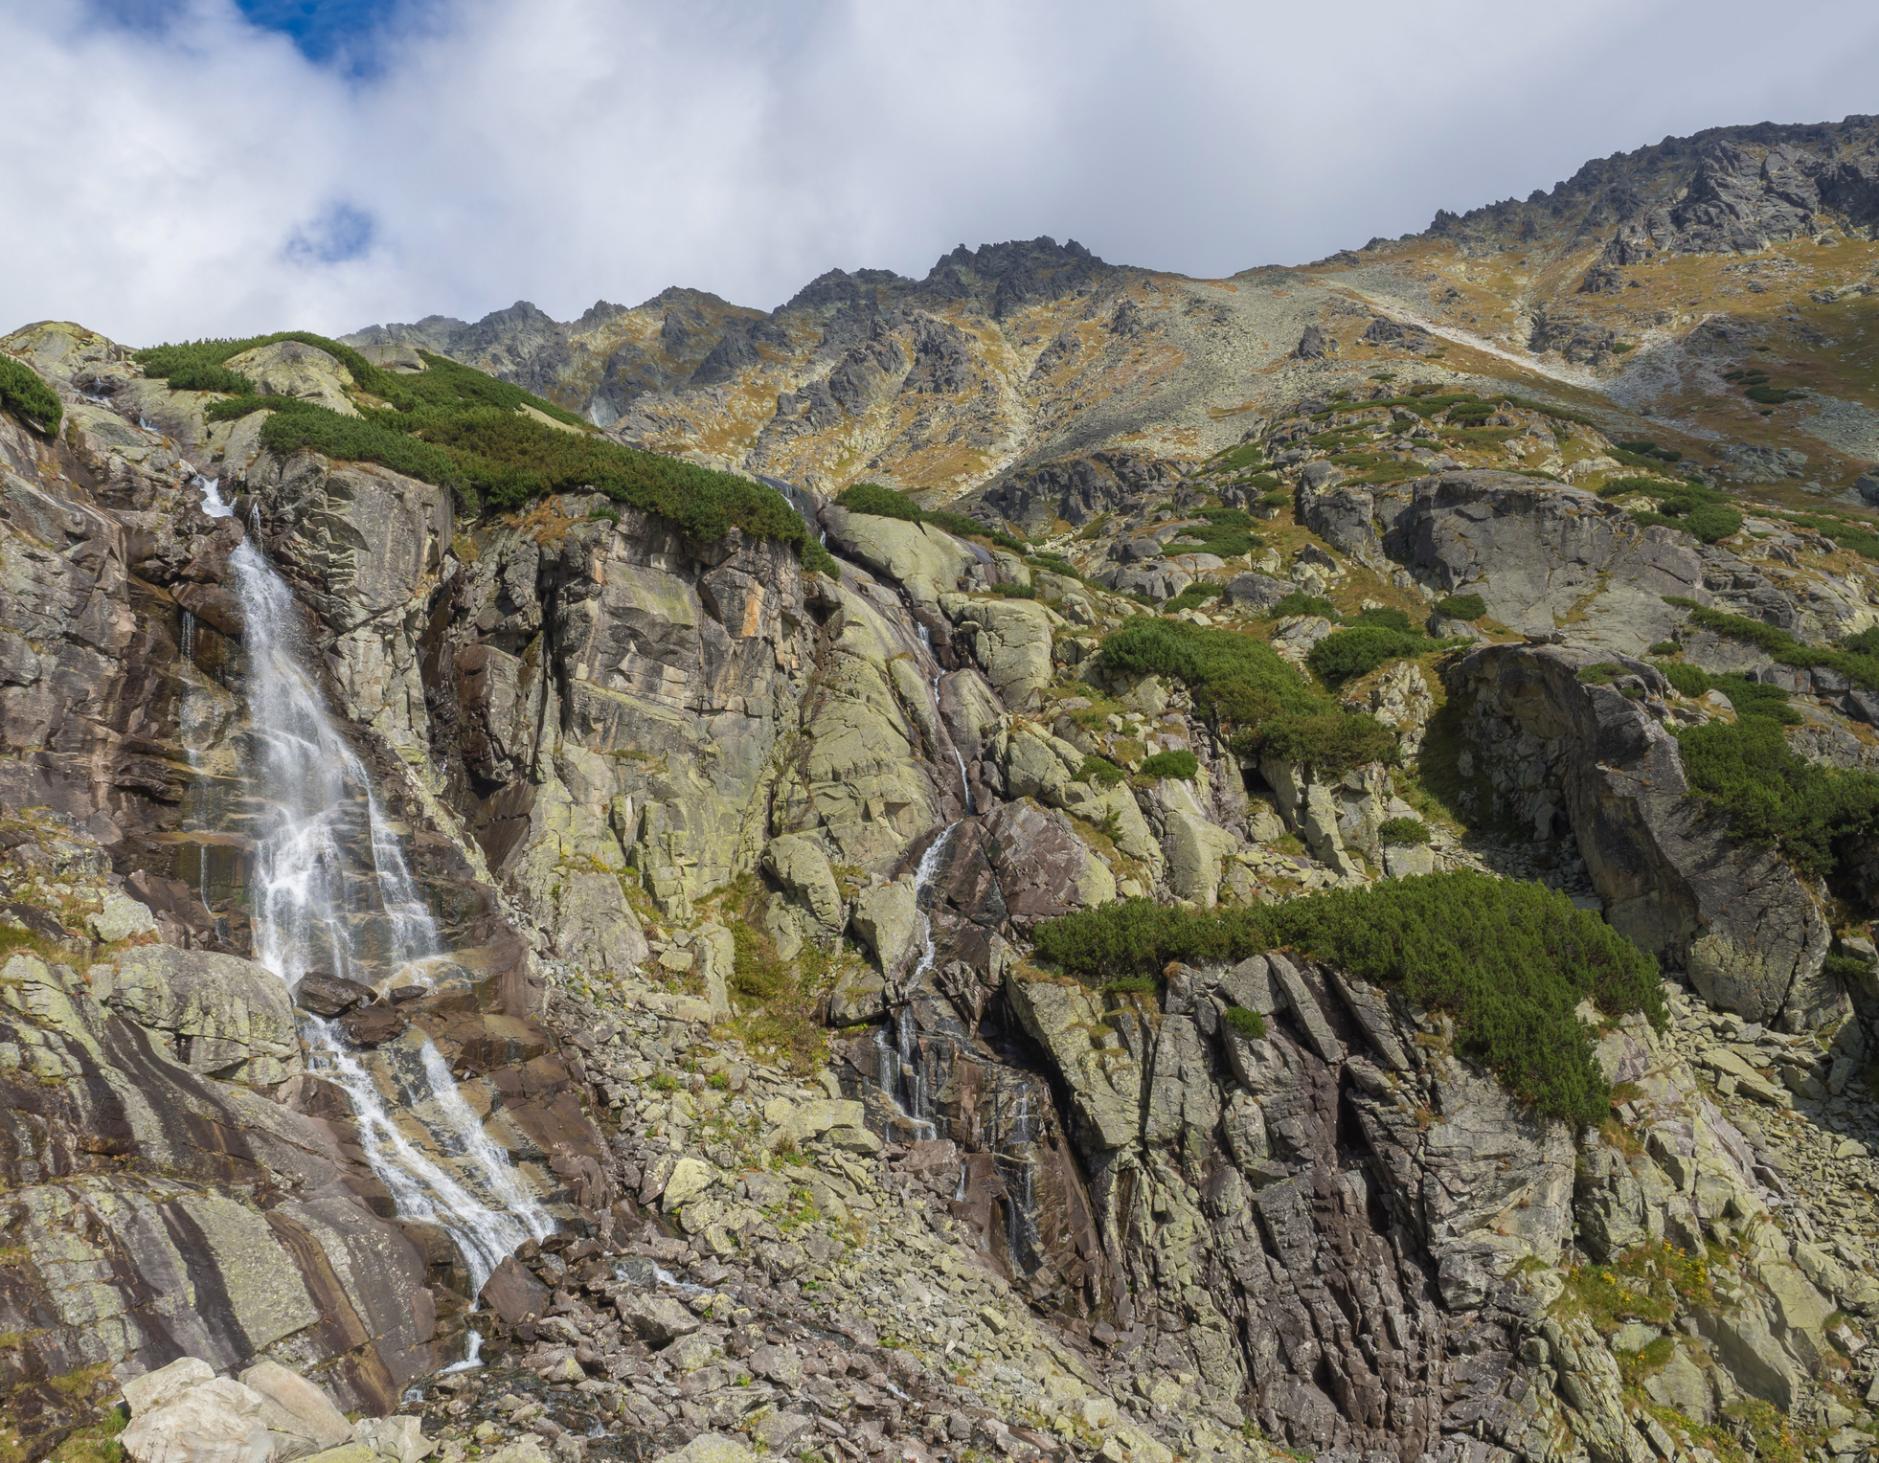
939 718
1020 1182
901 1071
331 891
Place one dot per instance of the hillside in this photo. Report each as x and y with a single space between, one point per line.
1048 862
1716 290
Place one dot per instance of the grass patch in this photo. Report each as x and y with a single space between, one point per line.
1856 658
1225 532
1101 771
1245 685
1509 961
1245 1023
1178 763
1819 817
466 431
1461 607
1201 592
1403 832
885 502
24 393
1300 603
1699 511
1344 655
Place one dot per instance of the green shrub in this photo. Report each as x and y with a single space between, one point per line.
1770 794
1343 655
1300 603
1750 698
1331 741
1855 535
1848 658
1177 762
1101 771
1243 683
1509 961
26 395
1461 607
1242 1022
881 502
1199 593
1700 511
1054 564
1386 616
884 502
467 431
1012 589
1227 533
1773 395
1644 447
1403 832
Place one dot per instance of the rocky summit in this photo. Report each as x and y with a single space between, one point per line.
1051 861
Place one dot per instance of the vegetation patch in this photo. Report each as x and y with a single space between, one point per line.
1177 762
1201 592
1509 961
1300 603
1246 686
1344 655
1225 532
1819 817
885 502
24 393
1461 607
1699 511
1242 1022
466 431
1856 658
1403 832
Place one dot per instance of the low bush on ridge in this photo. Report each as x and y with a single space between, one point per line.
1509 961
466 431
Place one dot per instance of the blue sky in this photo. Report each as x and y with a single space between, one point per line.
182 167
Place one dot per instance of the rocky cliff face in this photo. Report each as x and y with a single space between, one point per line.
739 868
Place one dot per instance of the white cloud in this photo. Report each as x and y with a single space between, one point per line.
202 178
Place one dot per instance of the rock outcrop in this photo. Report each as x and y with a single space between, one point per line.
1572 760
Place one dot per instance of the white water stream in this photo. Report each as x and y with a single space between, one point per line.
331 891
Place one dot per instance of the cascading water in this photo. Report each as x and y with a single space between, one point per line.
939 718
331 891
898 1060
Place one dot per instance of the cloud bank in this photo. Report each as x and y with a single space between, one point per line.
192 172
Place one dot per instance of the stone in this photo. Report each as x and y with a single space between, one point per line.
656 1319
689 1178
328 995
224 1016
150 1391
400 1439
218 1421
296 1407
886 921
710 1448
798 863
513 1293
121 918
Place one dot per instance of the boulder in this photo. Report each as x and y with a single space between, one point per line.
887 921
325 994
217 1421
224 1016
798 863
1011 639
296 1408
1673 876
